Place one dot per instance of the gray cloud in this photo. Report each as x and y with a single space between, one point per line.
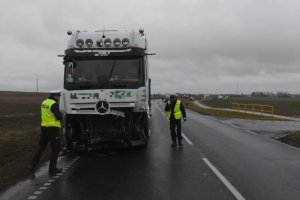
202 46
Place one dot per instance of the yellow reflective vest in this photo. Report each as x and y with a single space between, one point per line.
48 118
177 111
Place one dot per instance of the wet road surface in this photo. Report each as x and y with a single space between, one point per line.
218 161
271 129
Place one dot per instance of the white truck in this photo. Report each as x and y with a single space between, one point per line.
106 96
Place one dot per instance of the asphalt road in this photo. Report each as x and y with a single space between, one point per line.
218 161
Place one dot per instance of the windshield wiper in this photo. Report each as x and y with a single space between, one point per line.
112 69
110 74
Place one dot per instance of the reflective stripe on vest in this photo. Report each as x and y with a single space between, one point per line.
48 118
177 111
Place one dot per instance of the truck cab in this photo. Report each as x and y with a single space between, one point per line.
106 96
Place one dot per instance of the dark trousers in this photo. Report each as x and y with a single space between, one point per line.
175 127
48 134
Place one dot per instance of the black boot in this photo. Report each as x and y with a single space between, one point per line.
54 171
32 169
174 144
180 144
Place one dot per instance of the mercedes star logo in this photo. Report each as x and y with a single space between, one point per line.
102 107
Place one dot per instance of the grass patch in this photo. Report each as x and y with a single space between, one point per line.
282 106
17 109
19 137
292 139
222 113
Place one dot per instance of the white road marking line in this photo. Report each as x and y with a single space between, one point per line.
38 192
187 139
32 197
48 183
251 132
234 126
160 110
231 188
213 118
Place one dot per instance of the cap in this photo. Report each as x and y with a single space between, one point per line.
173 96
55 92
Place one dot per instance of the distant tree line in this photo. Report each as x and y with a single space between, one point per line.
271 94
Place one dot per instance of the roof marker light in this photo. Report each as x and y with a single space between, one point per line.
117 42
125 42
107 42
79 42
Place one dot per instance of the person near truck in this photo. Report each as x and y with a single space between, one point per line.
175 112
50 126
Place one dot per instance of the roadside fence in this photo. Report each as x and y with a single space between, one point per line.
253 107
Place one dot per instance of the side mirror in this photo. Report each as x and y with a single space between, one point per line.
71 62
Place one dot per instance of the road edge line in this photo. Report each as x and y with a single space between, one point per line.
187 139
231 188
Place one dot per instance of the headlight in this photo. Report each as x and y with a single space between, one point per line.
125 42
79 42
117 42
89 42
107 42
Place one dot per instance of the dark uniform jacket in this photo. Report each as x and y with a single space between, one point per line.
55 109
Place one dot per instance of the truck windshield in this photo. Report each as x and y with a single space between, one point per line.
104 74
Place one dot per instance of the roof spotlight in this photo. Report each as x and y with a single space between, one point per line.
79 42
89 42
125 42
107 42
117 42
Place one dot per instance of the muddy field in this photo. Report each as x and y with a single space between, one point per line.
19 134
22 97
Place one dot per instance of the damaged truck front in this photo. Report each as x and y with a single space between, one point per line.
106 96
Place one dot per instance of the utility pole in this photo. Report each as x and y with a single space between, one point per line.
237 88
37 85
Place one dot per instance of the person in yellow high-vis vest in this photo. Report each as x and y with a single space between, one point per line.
50 126
175 112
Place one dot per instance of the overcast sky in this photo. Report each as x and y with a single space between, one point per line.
202 46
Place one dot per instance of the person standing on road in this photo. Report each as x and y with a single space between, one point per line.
50 126
175 111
